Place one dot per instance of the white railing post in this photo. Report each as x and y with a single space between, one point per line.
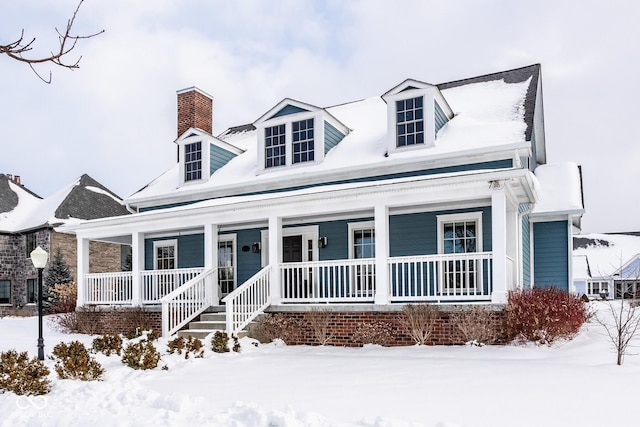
137 266
247 301
499 245
82 270
381 222
275 257
211 261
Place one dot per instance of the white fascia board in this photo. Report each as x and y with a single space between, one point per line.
280 105
203 136
305 177
405 84
324 201
566 215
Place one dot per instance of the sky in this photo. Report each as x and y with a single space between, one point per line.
115 117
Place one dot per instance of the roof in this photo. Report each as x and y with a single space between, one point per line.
559 189
605 253
491 114
83 199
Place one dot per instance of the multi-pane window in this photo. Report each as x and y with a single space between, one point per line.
5 291
364 246
595 288
409 122
459 237
226 277
32 291
30 243
364 243
303 141
275 143
165 256
193 161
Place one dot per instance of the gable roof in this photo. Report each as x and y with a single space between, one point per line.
606 254
83 199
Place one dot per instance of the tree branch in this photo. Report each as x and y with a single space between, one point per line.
17 49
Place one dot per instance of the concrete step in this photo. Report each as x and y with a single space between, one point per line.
202 333
213 317
215 326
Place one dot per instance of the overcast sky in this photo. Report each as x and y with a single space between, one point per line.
115 117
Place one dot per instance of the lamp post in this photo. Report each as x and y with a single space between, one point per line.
39 259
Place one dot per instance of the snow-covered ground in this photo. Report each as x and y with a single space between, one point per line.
573 383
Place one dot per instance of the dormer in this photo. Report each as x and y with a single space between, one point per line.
200 154
294 134
416 111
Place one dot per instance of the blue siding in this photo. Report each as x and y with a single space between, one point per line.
288 109
496 164
218 157
526 247
551 254
417 233
440 117
249 263
190 251
332 137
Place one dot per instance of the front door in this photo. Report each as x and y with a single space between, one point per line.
292 249
296 279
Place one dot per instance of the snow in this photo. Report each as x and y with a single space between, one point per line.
608 253
101 191
572 383
559 188
488 115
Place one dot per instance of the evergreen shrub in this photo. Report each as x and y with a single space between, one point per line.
22 376
74 362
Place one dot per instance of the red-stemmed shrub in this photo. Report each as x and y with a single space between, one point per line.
543 315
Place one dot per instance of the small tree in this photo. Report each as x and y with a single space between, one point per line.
58 272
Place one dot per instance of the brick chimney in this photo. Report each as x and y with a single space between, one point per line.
195 110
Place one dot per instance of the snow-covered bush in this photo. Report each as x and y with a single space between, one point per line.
543 315
375 332
74 362
220 342
476 324
22 376
141 355
189 346
107 344
278 326
419 320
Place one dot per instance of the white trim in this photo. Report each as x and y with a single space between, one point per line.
459 217
231 237
163 243
309 232
204 160
360 225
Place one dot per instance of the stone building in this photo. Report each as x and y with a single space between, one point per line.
28 221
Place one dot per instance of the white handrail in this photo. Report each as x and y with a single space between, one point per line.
247 301
108 288
158 283
183 304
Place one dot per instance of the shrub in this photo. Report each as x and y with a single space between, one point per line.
220 342
278 326
476 324
141 355
319 320
190 345
107 344
375 332
74 362
236 344
22 376
419 320
543 315
62 297
80 321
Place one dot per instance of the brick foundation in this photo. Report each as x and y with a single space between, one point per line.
343 325
119 320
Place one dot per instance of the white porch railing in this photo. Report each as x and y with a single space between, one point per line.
109 288
450 277
345 280
158 283
183 304
247 301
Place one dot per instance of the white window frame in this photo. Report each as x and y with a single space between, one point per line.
355 226
363 276
460 217
205 160
590 284
308 232
165 243
224 238
428 118
199 162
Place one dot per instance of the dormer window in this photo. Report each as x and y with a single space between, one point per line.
303 147
193 161
410 121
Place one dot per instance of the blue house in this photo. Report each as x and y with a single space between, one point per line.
427 193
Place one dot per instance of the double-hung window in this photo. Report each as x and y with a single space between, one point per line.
30 239
32 291
363 246
275 143
409 122
595 288
303 146
458 235
226 268
193 161
5 291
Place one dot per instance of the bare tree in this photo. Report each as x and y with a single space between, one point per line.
20 48
626 320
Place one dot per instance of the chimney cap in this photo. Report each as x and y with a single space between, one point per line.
193 88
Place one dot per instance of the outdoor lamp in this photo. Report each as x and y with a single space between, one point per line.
39 259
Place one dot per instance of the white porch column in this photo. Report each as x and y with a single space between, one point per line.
381 224
82 269
211 261
137 266
274 256
499 245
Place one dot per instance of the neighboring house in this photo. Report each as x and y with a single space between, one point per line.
433 193
28 221
607 264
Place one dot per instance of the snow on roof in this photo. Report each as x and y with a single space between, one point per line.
488 114
559 188
580 267
605 253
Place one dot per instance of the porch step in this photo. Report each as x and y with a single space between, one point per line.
209 322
